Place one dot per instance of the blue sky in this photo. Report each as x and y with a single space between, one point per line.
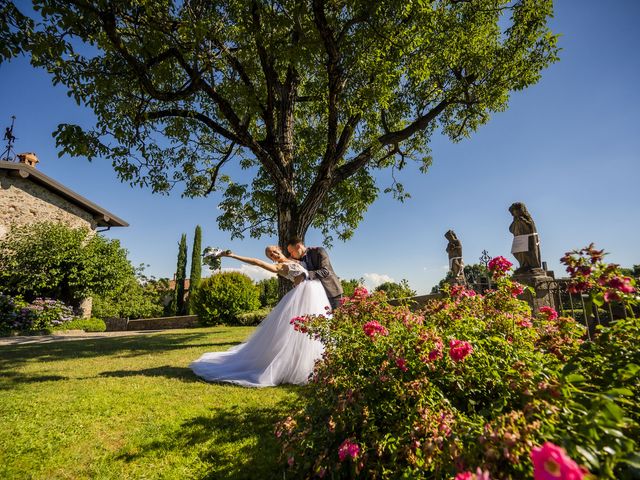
568 147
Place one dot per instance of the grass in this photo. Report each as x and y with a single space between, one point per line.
129 407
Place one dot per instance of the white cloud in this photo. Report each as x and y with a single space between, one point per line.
372 280
255 273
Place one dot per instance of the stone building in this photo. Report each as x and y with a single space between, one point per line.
29 196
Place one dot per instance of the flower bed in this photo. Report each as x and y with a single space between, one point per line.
473 386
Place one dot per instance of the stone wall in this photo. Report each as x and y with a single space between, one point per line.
186 321
23 202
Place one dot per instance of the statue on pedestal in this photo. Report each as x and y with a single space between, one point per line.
526 243
456 265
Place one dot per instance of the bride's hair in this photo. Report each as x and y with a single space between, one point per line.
271 248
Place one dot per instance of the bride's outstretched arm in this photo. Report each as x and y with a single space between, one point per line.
271 267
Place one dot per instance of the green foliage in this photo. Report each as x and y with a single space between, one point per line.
310 97
470 381
473 273
139 297
250 319
269 294
181 275
349 286
86 324
396 290
56 261
602 383
223 296
13 24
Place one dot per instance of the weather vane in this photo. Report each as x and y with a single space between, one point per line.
10 138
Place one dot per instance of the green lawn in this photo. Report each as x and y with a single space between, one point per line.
129 407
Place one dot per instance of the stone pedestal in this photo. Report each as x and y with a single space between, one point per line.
85 307
541 283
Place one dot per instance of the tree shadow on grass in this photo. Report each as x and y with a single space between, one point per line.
10 379
235 442
12 356
167 371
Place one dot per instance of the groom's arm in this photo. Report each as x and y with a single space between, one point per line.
324 265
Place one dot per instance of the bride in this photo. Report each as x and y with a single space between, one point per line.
275 353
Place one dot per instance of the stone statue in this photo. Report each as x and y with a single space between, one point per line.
456 265
526 243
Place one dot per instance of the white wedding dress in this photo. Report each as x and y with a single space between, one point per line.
275 353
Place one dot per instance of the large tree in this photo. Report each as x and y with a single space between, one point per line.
310 97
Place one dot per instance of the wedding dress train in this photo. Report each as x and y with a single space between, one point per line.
275 353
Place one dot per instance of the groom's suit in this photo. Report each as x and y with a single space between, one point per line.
317 262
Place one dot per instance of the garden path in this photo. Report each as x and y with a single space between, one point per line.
71 335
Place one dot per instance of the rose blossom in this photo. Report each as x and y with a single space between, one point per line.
459 349
516 289
348 449
299 324
460 291
479 475
525 323
436 353
549 312
499 266
401 363
373 329
622 284
360 292
611 296
550 462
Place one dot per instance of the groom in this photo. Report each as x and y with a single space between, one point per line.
316 260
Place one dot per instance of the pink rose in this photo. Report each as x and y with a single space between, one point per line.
611 296
622 284
460 291
549 312
526 323
372 329
464 476
459 349
499 266
401 363
516 289
360 292
348 449
550 462
479 475
436 353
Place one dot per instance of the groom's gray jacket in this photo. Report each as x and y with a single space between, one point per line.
319 267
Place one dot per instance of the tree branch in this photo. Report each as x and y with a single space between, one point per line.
391 138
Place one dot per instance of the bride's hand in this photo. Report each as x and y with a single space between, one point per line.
226 253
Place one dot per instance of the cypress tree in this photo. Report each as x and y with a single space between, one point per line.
196 262
181 275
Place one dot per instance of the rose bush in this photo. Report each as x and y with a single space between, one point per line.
466 387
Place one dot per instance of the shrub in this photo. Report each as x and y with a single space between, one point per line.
56 261
139 297
221 297
42 315
471 382
86 324
249 319
395 290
